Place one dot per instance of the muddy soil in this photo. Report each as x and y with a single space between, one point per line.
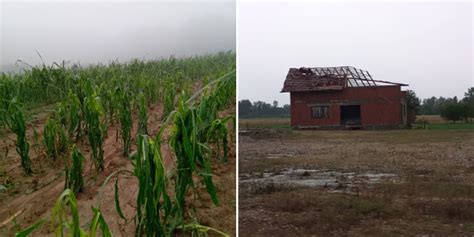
356 183
329 180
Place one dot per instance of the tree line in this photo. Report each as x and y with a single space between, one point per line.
452 109
260 109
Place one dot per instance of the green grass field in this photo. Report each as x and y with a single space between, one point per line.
434 122
450 126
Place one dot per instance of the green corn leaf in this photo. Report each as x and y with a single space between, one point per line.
30 229
117 200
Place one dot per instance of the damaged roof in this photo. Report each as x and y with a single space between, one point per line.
329 78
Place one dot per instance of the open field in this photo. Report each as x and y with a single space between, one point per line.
264 123
433 122
356 183
431 118
437 122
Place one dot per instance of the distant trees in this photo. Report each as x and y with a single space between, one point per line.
469 101
451 109
260 109
431 106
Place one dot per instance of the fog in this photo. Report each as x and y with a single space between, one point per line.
92 32
428 45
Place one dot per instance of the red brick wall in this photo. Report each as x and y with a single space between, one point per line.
378 105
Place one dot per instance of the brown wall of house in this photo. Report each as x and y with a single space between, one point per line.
380 105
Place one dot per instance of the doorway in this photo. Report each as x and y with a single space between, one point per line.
350 115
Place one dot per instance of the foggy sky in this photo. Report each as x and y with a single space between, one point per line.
428 45
92 32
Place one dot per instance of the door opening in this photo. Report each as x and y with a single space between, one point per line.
350 115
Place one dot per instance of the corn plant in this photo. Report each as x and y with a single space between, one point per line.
214 129
156 213
217 133
64 222
153 203
49 138
142 115
63 140
194 128
169 94
27 231
125 115
16 123
190 155
73 172
74 115
107 95
60 219
96 129
224 94
55 139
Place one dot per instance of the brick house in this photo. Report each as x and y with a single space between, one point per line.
344 97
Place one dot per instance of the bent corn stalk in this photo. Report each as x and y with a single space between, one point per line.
74 180
16 123
96 129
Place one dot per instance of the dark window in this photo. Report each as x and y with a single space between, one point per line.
320 111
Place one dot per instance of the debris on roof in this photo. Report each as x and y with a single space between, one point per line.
329 78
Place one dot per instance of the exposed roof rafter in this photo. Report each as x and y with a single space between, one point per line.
330 78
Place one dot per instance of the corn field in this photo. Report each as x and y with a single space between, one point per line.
89 102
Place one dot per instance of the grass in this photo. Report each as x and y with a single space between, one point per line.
326 214
450 126
315 212
434 122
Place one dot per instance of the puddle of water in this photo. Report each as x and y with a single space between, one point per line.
335 181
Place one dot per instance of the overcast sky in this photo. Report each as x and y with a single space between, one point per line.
103 31
428 45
